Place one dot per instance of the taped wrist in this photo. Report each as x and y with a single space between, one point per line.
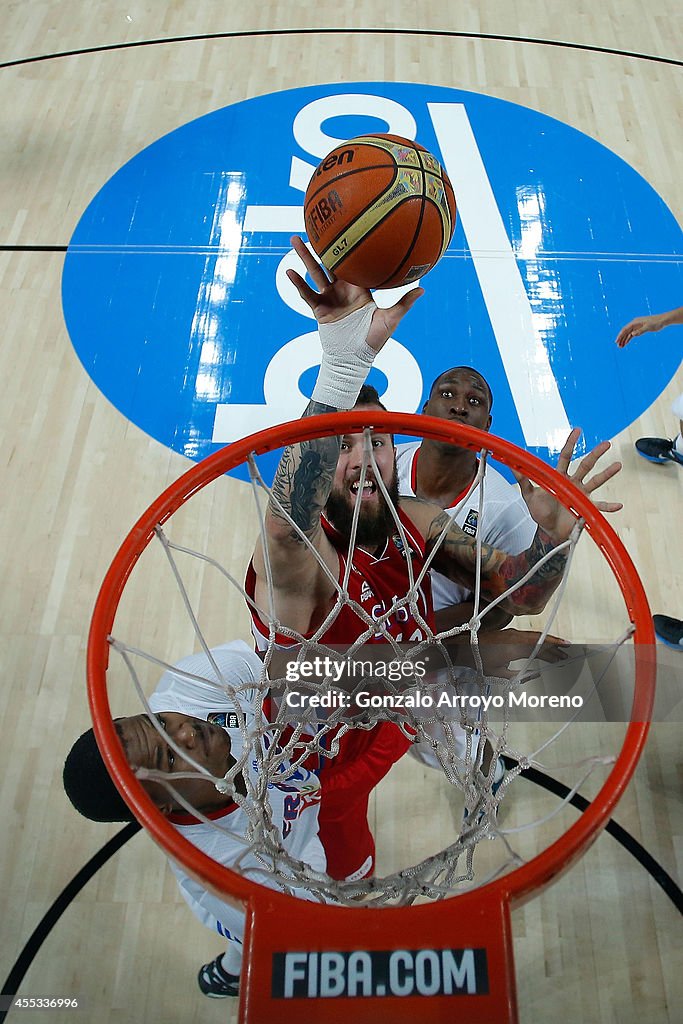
346 360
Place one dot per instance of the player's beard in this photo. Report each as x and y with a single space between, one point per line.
375 522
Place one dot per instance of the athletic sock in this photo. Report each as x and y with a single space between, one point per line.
231 961
678 444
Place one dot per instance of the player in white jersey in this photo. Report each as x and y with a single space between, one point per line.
201 718
444 473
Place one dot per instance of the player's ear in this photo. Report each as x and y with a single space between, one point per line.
164 804
159 796
489 422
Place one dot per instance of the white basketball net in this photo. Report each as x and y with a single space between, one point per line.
465 746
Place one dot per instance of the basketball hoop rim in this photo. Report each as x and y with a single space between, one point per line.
512 888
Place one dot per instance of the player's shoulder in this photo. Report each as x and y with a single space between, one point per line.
418 512
199 679
407 448
405 454
241 657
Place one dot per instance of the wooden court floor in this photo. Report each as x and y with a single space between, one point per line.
602 946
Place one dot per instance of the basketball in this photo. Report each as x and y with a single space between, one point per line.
379 211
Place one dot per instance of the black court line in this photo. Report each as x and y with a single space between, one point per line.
34 248
270 33
53 914
624 838
30 950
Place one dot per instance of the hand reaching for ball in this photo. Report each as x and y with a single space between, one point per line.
336 299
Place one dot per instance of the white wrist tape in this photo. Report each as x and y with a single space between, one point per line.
346 360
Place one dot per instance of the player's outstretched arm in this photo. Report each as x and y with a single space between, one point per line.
643 324
352 331
555 524
456 555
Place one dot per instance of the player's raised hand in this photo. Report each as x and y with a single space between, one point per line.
335 299
632 330
550 514
643 324
331 299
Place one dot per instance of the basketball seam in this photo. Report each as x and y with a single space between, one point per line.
367 235
348 174
418 226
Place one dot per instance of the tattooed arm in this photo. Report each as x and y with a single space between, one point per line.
302 483
296 544
456 555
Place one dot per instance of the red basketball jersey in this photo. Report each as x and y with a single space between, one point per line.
364 758
375 583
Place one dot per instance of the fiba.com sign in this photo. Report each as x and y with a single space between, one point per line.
364 973
181 261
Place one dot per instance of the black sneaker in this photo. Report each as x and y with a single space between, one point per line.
215 982
669 631
658 449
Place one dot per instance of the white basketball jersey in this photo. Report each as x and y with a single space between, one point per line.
294 803
504 522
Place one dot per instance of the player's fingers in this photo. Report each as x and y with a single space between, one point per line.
626 332
567 452
551 649
310 297
609 506
554 649
589 460
313 267
551 654
396 312
601 477
525 484
597 481
605 474
557 640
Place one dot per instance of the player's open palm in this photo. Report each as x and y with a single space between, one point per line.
550 514
335 299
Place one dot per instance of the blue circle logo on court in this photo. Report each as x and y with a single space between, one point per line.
177 302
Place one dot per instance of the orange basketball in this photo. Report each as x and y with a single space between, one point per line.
379 211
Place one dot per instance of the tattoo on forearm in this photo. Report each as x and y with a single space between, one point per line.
304 477
535 593
456 557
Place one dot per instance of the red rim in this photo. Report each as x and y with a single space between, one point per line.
517 885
